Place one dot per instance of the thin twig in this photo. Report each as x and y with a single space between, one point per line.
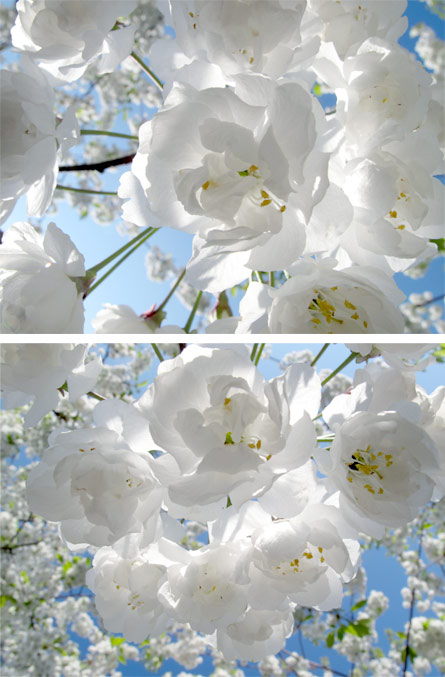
427 303
98 166
85 190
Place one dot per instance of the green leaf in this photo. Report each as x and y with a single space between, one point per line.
440 243
117 641
67 566
341 632
439 354
25 576
245 172
411 654
6 598
317 89
359 605
330 639
359 628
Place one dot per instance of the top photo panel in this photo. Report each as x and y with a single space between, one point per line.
222 167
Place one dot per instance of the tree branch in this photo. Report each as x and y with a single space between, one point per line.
98 166
427 303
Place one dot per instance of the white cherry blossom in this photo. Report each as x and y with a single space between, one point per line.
64 37
247 178
39 291
30 138
383 466
303 560
98 482
35 371
319 298
385 97
126 585
226 430
121 319
242 35
206 587
256 634
347 23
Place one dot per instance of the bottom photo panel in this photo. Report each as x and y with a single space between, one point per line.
223 509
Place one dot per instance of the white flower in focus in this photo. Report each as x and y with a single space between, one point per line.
255 635
398 204
126 585
245 182
433 421
385 97
318 298
64 37
30 137
206 587
242 35
348 23
226 430
121 319
403 356
383 466
35 371
38 290
303 560
98 483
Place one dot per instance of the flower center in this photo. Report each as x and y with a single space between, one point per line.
324 311
366 467
297 565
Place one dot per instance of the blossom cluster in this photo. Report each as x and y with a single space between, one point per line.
312 210
281 484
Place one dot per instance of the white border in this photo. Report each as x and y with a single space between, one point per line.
223 338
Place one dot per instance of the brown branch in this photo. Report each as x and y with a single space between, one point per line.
98 166
427 303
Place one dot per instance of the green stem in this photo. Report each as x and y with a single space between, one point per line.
258 355
349 359
258 274
104 132
95 269
192 313
95 395
147 70
272 279
253 352
158 352
85 190
172 291
118 263
317 357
